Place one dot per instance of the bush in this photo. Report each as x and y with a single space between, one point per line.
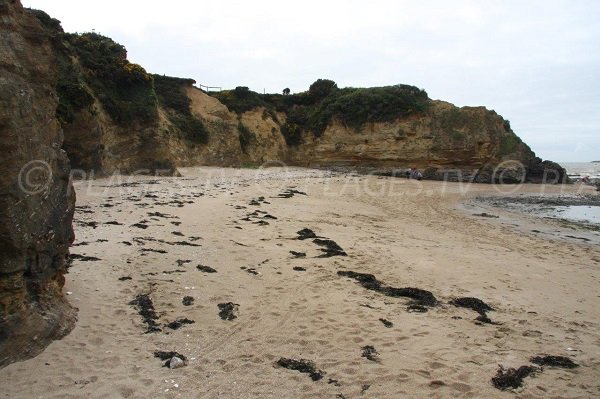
240 100
124 89
355 107
292 134
321 88
171 93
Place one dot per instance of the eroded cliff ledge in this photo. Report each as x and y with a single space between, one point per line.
36 197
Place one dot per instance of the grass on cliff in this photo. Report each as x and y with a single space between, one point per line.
172 96
312 111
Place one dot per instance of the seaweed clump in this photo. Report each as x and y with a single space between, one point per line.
512 378
303 366
145 308
420 297
227 310
554 361
477 305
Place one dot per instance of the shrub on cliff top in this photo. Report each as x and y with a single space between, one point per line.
124 89
240 100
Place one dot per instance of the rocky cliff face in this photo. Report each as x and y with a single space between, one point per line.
36 197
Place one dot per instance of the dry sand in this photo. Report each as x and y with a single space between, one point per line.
546 293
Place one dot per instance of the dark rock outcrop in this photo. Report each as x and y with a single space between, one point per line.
36 196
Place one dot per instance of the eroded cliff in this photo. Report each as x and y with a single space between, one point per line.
117 117
36 197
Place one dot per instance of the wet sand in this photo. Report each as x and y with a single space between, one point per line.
263 307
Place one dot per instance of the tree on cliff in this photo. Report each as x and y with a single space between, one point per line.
321 88
286 91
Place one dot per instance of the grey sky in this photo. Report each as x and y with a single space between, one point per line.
536 63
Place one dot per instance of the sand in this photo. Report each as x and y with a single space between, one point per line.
545 291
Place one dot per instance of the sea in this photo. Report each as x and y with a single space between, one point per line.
577 170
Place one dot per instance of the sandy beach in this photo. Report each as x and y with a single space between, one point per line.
144 237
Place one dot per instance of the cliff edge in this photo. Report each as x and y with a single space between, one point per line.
36 197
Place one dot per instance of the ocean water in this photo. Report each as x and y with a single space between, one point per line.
591 169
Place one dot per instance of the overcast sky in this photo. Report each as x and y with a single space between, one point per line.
537 63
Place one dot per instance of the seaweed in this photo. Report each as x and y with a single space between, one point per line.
145 308
387 323
206 269
187 300
331 248
177 324
472 303
421 298
554 361
306 234
370 353
227 310
512 378
477 305
303 366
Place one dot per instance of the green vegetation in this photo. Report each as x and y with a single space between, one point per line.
73 96
124 89
172 96
240 99
246 136
508 144
322 88
324 102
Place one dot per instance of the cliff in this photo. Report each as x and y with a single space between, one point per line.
118 117
36 197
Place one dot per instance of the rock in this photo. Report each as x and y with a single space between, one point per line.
36 197
176 363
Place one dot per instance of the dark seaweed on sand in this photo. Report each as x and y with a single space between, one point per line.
227 310
298 254
289 193
187 300
303 366
177 324
206 269
512 378
331 248
477 305
554 361
472 303
420 297
387 323
370 353
305 234
145 308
